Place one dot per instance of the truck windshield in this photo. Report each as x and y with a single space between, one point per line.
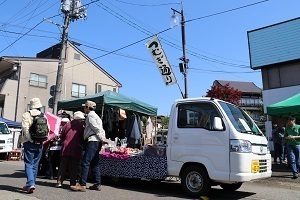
3 129
240 120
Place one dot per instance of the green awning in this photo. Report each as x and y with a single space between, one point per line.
109 98
290 106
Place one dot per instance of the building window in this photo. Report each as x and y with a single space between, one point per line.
98 88
38 80
76 56
78 90
115 89
42 109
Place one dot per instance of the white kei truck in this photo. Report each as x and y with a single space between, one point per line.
212 142
6 139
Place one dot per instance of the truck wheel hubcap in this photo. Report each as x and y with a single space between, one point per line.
194 181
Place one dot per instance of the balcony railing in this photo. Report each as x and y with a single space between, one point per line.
251 104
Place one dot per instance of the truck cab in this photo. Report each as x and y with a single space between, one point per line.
6 138
212 142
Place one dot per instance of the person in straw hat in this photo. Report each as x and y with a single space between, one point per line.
71 153
32 149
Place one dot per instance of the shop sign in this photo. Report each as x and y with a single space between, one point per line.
161 61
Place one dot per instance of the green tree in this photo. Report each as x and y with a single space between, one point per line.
165 122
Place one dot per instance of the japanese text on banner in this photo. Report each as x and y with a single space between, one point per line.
161 61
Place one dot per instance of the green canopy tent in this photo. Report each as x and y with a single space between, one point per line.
290 106
109 98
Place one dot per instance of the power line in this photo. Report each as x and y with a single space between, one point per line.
226 11
169 36
141 59
119 54
221 71
32 15
3 2
24 34
144 60
39 30
8 41
42 12
144 5
20 37
147 32
200 56
111 52
20 11
18 33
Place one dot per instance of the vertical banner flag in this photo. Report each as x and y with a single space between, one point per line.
160 59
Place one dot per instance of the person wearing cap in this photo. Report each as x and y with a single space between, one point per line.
292 137
71 136
94 134
32 150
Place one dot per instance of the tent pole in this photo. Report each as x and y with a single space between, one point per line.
102 111
268 139
155 129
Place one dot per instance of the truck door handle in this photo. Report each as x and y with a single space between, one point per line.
175 138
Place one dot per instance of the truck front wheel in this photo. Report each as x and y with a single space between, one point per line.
195 181
231 187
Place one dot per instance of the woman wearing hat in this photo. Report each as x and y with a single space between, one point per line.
71 136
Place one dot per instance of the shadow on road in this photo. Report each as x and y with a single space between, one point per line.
12 189
280 168
173 189
16 174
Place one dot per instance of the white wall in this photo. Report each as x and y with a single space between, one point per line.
276 95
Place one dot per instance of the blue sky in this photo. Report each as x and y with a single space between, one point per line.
217 45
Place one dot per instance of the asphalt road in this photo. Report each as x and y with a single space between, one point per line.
12 179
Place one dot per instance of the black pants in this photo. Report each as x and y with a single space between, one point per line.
53 160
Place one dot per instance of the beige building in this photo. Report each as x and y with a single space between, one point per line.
23 78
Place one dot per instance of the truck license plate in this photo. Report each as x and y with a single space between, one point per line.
255 166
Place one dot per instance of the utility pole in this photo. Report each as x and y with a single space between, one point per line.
73 10
183 66
61 63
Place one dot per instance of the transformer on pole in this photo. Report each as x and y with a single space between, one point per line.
72 10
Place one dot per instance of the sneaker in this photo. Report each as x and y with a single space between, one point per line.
95 187
28 190
58 185
295 176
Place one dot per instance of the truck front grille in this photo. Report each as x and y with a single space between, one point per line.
2 141
263 166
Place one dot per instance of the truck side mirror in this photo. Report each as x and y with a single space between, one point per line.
217 124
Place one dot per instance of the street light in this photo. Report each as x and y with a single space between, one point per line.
183 66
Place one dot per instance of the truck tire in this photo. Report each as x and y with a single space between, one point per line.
3 156
231 187
195 181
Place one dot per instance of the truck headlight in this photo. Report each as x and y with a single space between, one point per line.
243 146
9 140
